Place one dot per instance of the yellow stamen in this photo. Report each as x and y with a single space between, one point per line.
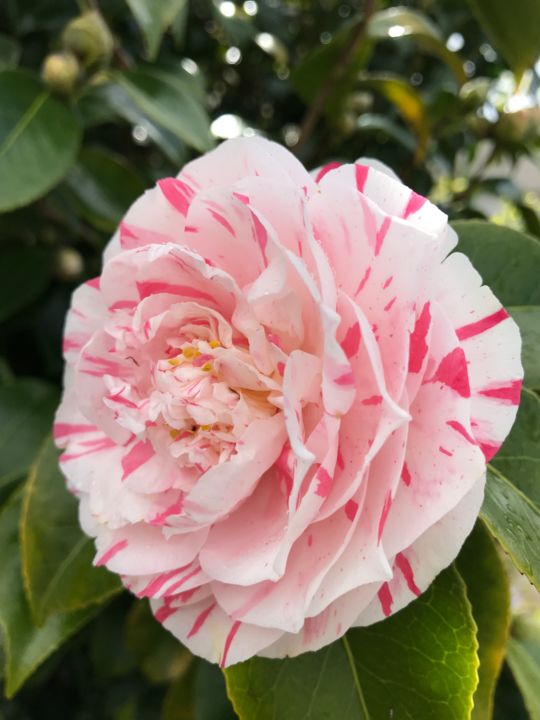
205 427
207 367
174 433
174 361
214 344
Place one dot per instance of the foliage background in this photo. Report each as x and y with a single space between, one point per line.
96 103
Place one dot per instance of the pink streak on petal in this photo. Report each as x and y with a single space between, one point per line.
174 509
111 552
417 342
386 599
387 282
326 169
405 566
177 193
415 203
351 341
94 282
105 444
260 236
140 453
384 515
373 400
228 642
489 450
406 475
480 326
63 429
507 393
453 373
156 584
171 590
223 221
351 508
444 451
361 174
381 234
165 611
200 620
345 379
458 427
154 287
363 282
123 305
324 482
241 198
389 304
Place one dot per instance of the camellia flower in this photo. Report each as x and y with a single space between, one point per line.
280 397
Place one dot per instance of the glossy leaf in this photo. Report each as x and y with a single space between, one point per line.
420 663
407 100
513 29
25 646
107 102
25 272
482 569
528 319
519 457
105 186
526 670
374 123
507 260
515 522
56 556
154 17
168 101
39 138
26 412
400 22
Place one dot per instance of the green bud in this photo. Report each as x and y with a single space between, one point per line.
90 39
60 72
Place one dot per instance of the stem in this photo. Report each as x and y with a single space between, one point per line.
344 60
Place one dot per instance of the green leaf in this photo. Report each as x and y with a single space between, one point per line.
481 568
160 656
374 123
104 186
515 522
26 413
420 663
507 260
526 670
25 272
406 99
56 556
528 320
39 138
154 17
168 101
400 22
9 53
512 29
178 700
25 646
519 457
104 103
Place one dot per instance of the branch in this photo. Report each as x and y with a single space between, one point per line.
344 60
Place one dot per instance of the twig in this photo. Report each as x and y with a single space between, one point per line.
344 60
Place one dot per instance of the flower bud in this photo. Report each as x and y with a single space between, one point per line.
90 39
60 72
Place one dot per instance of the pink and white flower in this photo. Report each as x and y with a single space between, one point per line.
280 397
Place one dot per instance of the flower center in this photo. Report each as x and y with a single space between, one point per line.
203 399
